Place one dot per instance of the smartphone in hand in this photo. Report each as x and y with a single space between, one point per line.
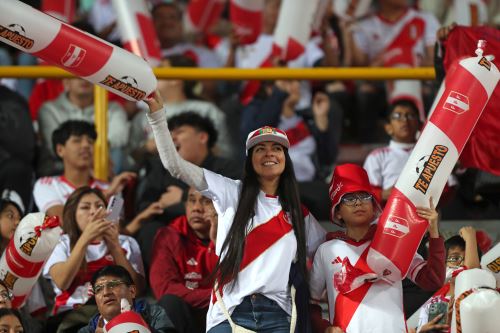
114 209
438 308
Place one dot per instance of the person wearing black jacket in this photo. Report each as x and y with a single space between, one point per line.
194 137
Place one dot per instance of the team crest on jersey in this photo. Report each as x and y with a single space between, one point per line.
456 102
73 56
28 244
16 34
126 85
427 167
494 266
396 226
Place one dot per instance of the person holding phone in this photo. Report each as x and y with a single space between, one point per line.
90 242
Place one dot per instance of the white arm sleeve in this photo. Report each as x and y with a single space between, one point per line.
178 167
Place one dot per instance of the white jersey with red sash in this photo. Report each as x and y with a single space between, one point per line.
402 41
53 191
97 256
270 246
373 307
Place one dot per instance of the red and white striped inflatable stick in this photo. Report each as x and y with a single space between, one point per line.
460 101
33 242
294 27
137 30
128 321
246 19
201 15
80 53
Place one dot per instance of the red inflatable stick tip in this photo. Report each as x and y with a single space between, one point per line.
48 222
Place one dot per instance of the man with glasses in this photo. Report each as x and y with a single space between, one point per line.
110 285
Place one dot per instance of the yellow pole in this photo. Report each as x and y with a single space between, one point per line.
354 73
101 150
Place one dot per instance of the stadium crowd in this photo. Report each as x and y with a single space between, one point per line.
202 165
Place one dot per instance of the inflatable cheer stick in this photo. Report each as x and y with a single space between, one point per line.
21 264
246 18
137 31
293 29
456 110
80 53
127 321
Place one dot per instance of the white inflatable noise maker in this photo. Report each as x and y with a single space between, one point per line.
458 105
476 304
491 261
127 321
137 30
35 238
293 29
246 19
201 15
84 55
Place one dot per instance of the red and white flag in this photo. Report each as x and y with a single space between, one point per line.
201 15
137 30
246 18
294 27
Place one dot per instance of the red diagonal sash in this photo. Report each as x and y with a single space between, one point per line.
400 50
346 305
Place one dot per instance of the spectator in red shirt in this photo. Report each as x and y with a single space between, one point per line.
182 262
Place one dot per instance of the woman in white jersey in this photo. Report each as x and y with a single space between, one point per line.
89 242
262 228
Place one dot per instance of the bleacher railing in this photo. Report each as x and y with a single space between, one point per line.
101 151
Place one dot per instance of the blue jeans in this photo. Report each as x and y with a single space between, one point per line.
257 313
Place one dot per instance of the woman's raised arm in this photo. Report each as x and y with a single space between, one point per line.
178 167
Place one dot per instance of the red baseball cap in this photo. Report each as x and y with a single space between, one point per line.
267 133
349 178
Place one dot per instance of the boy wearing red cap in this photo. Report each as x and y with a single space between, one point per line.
375 306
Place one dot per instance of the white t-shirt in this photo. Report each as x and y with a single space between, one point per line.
380 309
53 191
268 273
374 34
203 57
96 257
384 165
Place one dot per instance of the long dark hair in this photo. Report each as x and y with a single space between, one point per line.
70 226
288 193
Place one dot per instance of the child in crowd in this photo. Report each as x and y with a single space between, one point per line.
375 306
462 252
89 242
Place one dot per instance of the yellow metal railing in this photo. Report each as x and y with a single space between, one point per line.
354 73
101 152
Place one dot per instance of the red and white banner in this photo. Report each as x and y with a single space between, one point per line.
456 110
246 19
137 30
33 242
64 10
294 27
201 15
80 53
